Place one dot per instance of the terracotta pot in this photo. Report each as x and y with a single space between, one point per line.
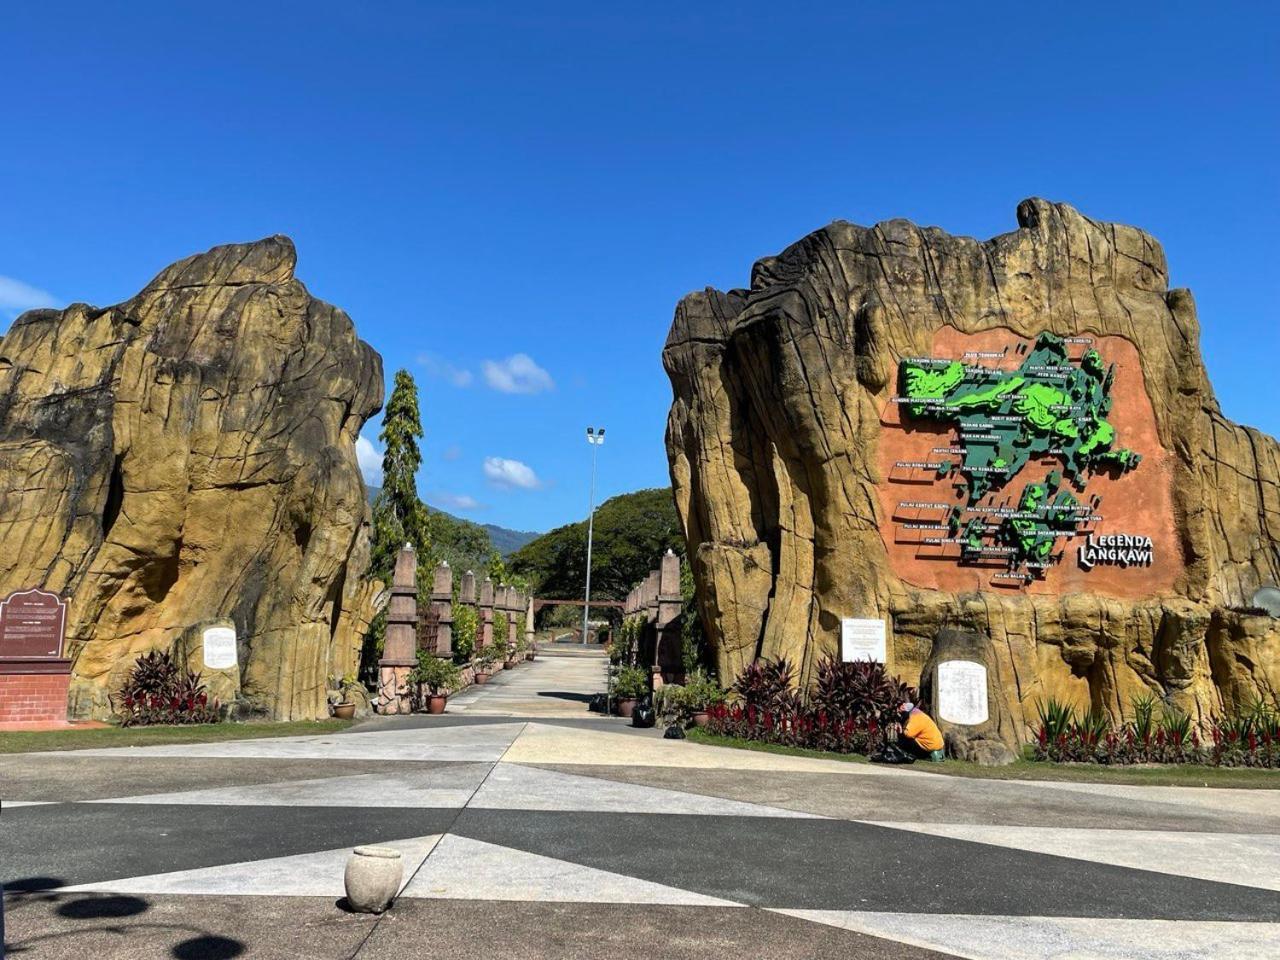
344 711
626 707
436 702
700 719
482 677
508 664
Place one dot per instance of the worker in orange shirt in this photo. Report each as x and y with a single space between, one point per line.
920 736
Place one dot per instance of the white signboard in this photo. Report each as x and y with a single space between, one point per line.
862 640
219 648
962 692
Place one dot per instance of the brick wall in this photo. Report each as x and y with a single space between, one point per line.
33 697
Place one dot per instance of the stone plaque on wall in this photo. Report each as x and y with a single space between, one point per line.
32 624
219 648
862 640
962 692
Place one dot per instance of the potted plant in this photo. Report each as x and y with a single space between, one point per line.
630 685
345 708
439 675
700 694
484 666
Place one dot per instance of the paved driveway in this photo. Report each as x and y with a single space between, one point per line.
559 835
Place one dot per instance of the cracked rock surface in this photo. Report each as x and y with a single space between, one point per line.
189 455
775 441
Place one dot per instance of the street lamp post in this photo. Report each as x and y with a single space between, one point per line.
595 439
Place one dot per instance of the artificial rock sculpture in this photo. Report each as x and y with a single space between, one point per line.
877 428
189 455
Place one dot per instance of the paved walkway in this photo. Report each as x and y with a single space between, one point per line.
557 684
574 836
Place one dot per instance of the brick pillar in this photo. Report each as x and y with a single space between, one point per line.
442 605
484 635
401 639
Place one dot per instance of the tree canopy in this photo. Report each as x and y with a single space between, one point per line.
632 532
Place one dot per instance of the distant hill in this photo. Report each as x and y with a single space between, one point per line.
507 541
503 539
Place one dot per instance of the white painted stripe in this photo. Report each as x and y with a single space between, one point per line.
362 790
464 869
304 875
481 742
516 787
1250 860
1060 938
6 804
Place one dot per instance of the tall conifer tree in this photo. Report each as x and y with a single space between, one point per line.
399 517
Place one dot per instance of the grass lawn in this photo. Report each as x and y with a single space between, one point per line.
1182 775
27 742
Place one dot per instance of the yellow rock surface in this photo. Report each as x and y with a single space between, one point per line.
189 455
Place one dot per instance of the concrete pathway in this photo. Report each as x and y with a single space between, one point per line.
568 835
558 683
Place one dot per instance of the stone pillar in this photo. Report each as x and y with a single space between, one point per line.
668 662
528 622
401 638
513 614
442 606
484 634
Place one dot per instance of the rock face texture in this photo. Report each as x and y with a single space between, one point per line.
189 455
794 468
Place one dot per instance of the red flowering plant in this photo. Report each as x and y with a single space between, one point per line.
158 691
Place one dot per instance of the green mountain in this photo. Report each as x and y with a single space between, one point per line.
632 532
465 534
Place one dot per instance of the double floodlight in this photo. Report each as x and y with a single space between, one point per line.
595 436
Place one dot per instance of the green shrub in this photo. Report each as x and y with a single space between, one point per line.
500 629
435 673
631 683
465 622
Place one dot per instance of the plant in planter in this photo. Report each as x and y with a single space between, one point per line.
630 685
500 631
345 708
439 675
484 665
698 695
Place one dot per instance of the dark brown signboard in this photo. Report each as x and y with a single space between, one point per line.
31 625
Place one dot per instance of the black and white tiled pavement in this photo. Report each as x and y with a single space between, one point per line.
583 823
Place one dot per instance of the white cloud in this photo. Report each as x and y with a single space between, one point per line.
457 501
16 296
506 474
443 370
370 459
517 374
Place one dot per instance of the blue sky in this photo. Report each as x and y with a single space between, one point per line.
475 183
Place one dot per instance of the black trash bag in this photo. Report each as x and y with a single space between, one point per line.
597 703
892 753
643 715
674 732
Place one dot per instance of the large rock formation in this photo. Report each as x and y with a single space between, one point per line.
189 455
822 469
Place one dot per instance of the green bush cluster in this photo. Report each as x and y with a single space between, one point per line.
1158 733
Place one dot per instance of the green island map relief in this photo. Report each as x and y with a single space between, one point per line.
1050 406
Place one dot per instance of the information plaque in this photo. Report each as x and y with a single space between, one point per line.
862 640
32 625
962 692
